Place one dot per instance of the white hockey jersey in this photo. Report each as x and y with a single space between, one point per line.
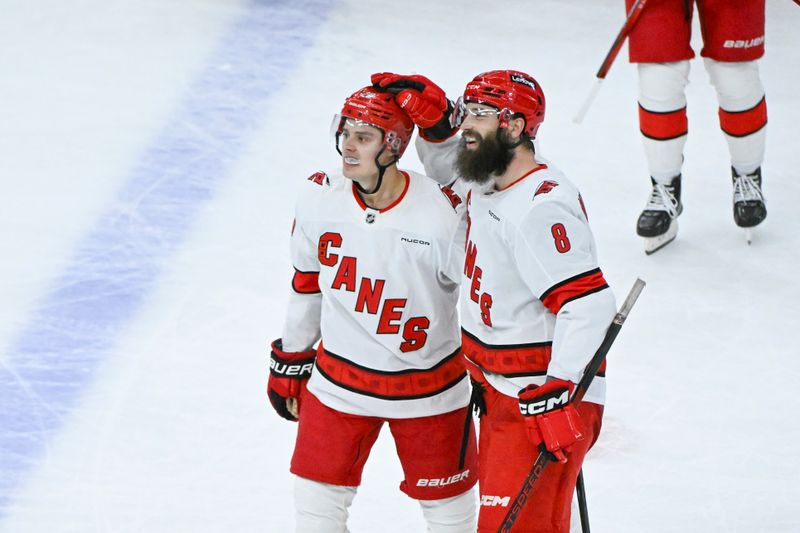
380 287
534 301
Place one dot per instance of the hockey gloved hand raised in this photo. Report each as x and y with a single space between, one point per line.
424 101
552 422
288 375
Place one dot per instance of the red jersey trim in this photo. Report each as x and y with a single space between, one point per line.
364 206
399 385
542 166
573 288
510 360
305 282
743 123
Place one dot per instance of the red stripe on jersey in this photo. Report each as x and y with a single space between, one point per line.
400 385
305 282
578 286
742 123
663 126
509 360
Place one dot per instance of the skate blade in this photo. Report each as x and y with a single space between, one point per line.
654 244
748 235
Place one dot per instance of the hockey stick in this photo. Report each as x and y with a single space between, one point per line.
630 22
582 509
594 365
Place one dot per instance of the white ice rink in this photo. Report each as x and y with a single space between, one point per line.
150 153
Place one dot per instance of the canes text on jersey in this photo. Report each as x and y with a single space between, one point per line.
370 295
474 273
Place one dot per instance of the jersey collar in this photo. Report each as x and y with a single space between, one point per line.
364 206
541 166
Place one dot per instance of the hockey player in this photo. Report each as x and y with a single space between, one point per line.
377 260
534 303
733 39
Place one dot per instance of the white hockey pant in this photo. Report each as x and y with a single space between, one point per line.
739 88
458 514
662 89
323 508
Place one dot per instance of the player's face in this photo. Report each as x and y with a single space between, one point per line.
479 121
481 152
360 143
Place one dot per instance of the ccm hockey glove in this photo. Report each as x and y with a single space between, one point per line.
552 422
424 101
288 374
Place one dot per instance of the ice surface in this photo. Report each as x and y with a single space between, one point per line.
150 153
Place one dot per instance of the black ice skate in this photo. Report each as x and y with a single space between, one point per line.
658 222
749 206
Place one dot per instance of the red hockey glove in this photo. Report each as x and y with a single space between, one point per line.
424 101
288 374
552 422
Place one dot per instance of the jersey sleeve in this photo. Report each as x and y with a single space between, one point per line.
302 325
438 158
454 262
556 256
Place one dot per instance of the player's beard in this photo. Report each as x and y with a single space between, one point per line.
491 157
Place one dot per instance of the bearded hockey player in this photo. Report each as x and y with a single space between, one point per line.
534 303
733 41
377 255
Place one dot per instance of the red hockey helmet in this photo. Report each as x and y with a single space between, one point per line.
380 110
509 90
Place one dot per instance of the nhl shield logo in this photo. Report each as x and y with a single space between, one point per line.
370 217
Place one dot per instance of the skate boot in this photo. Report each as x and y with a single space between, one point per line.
749 207
658 222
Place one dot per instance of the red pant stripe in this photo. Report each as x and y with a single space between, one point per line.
663 126
400 385
742 123
305 282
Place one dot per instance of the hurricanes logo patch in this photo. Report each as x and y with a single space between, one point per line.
545 187
454 199
319 178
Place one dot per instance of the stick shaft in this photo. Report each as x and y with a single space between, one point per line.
630 22
591 370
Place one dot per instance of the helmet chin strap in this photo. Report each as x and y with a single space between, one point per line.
381 172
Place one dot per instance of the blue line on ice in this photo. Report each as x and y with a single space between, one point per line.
54 358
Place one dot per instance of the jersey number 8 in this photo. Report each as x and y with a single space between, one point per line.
560 236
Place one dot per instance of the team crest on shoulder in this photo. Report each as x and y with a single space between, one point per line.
454 199
545 187
319 178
